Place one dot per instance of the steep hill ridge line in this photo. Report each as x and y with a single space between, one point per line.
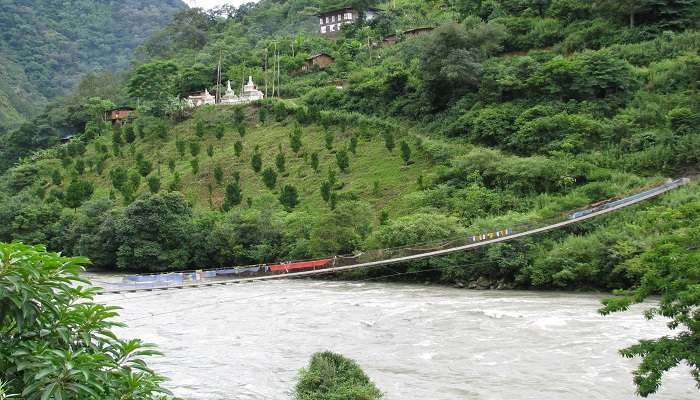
619 204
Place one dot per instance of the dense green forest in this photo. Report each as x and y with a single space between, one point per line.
47 46
507 114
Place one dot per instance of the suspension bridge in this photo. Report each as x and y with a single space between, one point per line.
387 257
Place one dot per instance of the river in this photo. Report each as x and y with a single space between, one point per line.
248 341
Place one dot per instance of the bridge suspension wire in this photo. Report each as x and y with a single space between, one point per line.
238 300
396 256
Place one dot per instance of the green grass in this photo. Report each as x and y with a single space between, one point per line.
371 163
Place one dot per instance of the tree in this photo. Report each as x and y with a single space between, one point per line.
117 138
289 197
256 160
238 116
199 128
314 161
269 178
129 134
326 191
332 376
77 193
194 148
329 138
218 175
80 166
176 182
343 160
154 83
389 140
154 184
353 144
181 147
210 151
47 302
295 139
233 196
450 60
405 152
144 167
630 8
281 161
119 177
669 267
56 177
262 115
220 132
195 166
154 232
238 148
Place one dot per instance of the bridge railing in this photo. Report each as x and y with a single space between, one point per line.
184 278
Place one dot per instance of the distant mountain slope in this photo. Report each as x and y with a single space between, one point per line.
46 46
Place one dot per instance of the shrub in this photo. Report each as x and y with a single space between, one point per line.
405 152
154 184
256 160
389 140
289 197
331 376
343 160
314 161
46 302
269 177
233 195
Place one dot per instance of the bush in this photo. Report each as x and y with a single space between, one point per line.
46 305
418 228
289 197
269 177
331 376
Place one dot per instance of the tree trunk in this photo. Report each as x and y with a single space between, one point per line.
632 20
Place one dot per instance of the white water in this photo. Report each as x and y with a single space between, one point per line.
416 342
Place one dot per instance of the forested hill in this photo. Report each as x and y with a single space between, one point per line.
46 46
506 114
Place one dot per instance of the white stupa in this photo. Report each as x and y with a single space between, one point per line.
230 96
200 99
251 92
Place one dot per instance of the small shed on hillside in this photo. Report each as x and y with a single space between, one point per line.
322 60
117 116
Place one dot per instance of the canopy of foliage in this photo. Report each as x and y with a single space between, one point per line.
331 376
55 342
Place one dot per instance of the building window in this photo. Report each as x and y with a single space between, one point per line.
321 21
328 20
323 29
348 15
332 18
340 17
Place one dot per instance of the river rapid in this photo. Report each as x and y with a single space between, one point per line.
248 341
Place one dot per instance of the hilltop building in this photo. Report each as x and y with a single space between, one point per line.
331 21
322 60
250 94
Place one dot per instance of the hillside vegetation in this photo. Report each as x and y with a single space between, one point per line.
509 113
